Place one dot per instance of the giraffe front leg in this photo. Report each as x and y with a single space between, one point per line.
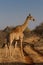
22 48
16 44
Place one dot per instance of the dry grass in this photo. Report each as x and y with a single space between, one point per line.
37 58
16 56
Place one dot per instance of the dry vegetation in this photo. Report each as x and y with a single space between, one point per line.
32 46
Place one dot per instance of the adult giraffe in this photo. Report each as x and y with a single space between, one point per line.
17 32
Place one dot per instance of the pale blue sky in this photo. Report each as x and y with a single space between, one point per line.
14 12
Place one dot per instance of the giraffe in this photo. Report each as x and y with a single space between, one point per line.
16 36
17 32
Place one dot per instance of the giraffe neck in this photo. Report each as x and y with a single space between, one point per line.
25 24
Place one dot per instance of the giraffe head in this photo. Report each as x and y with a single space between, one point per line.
30 17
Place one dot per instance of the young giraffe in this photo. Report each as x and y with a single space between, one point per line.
17 32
